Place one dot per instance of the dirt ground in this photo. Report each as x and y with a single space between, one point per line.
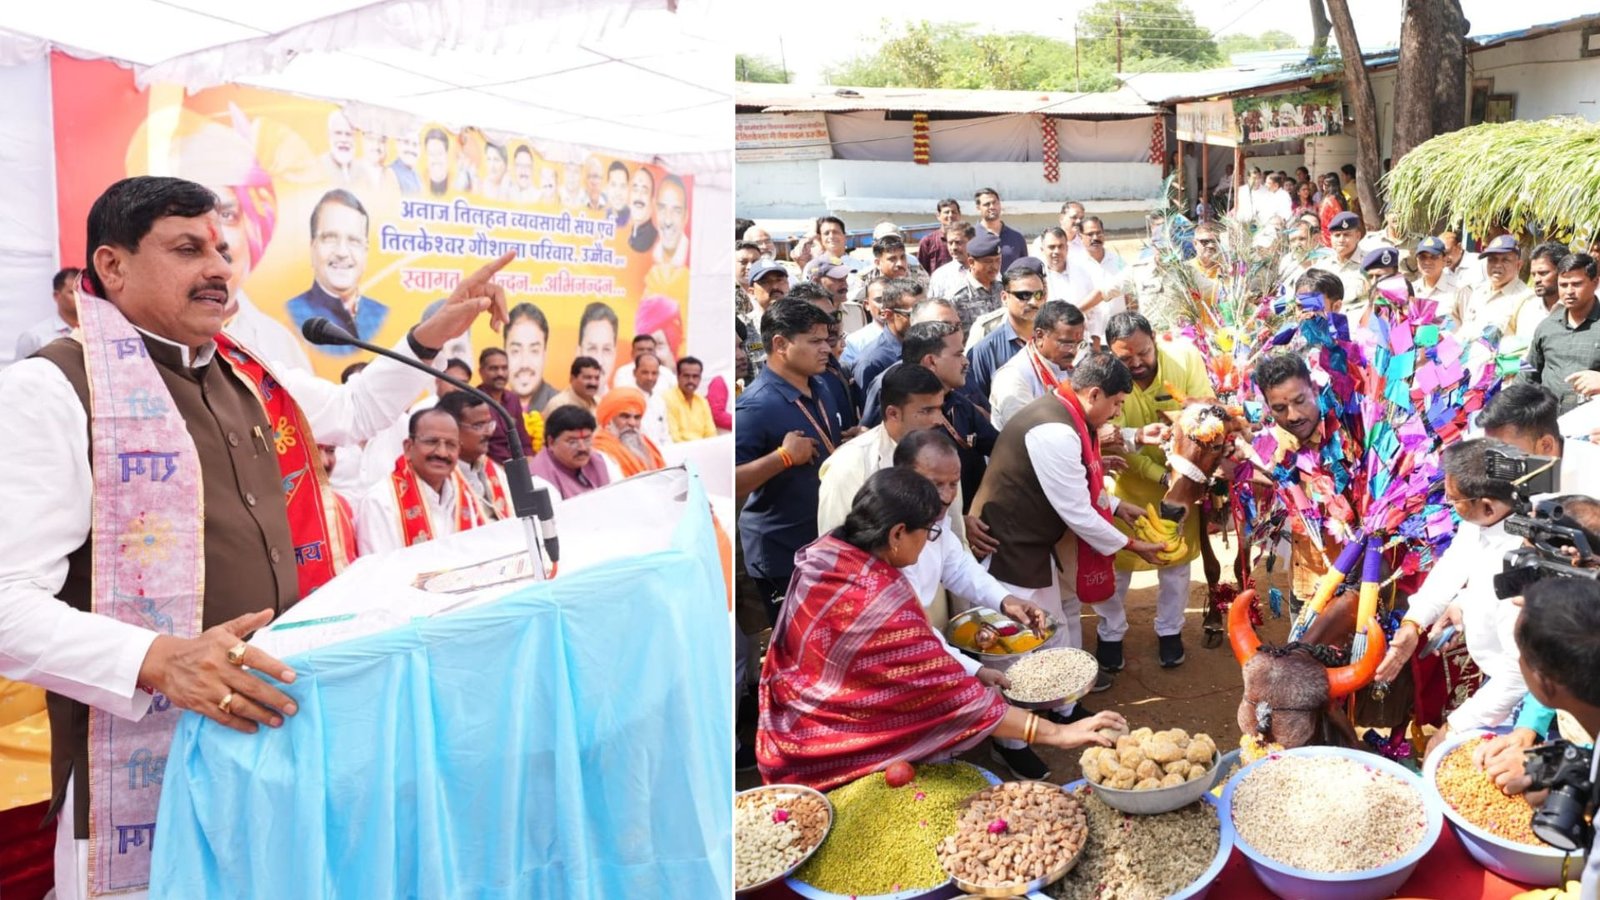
1202 695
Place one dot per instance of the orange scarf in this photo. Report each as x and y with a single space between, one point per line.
630 463
416 525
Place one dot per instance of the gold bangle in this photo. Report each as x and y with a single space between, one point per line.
1421 630
1030 728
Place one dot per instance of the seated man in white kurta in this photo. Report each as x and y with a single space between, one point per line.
426 496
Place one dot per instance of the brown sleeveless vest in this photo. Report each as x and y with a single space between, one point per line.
1011 501
249 557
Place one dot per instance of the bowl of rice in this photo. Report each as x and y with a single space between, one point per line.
1326 823
1493 827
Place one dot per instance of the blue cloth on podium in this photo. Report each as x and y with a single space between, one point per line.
572 740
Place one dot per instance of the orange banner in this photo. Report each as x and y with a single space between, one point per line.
343 213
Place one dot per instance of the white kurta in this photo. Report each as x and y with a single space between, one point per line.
1464 575
378 515
846 470
946 563
92 658
1015 385
275 344
40 333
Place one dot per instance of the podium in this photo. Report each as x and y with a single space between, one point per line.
568 738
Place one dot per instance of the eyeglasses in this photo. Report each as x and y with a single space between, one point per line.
1027 296
898 312
934 531
430 443
484 427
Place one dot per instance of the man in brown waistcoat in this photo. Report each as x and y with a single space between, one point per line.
1047 508
153 451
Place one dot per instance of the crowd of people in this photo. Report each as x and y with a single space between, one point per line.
1033 385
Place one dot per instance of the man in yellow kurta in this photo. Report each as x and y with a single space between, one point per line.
1159 370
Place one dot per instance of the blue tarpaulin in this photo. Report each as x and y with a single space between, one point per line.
572 740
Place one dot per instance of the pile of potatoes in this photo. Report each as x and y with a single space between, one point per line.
1146 760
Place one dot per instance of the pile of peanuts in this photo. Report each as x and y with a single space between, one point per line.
1470 792
1052 675
1013 833
774 828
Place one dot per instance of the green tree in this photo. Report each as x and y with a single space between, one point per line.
1145 30
949 55
758 69
1231 44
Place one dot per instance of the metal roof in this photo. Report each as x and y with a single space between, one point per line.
829 98
1270 72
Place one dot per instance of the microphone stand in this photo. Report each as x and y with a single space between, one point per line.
531 504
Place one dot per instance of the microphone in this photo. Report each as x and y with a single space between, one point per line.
532 505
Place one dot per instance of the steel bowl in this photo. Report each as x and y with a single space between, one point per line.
1201 886
1517 861
978 613
783 792
1026 887
1071 697
1159 800
943 890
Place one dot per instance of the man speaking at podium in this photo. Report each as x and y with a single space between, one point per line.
167 499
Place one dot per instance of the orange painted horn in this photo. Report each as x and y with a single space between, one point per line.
1241 634
1346 680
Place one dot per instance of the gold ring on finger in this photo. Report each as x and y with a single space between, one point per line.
236 654
226 702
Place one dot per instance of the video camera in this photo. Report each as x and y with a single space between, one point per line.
1563 768
1549 531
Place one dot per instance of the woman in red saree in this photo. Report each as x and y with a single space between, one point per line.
856 678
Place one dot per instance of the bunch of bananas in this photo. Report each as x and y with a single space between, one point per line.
1153 528
1570 892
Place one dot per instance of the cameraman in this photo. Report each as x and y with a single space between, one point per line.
1464 574
1558 634
1526 417
1501 758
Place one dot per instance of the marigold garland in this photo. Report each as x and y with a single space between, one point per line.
919 138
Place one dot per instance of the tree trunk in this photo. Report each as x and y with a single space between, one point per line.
1450 88
1319 29
1355 75
1418 74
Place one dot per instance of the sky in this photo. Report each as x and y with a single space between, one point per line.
812 43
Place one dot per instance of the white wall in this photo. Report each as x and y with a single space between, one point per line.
785 189
28 218
865 192
1547 75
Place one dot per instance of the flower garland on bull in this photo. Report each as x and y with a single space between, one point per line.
1389 399
1215 281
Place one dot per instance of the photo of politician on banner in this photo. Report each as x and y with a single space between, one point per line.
365 216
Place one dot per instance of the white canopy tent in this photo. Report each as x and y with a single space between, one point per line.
643 77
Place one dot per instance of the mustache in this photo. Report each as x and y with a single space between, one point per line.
440 459
212 284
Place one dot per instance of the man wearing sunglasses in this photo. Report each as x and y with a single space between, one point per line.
1005 334
899 296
